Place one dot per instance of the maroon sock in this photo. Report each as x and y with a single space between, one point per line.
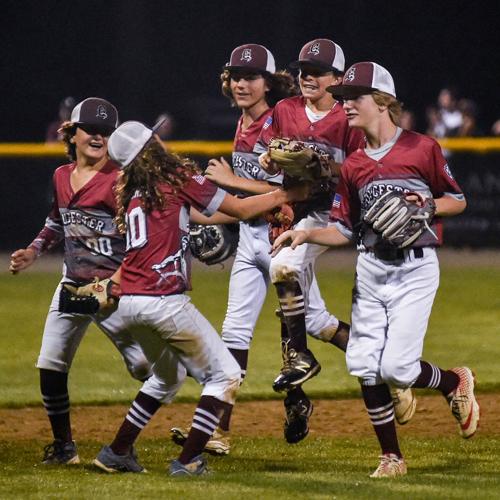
241 356
292 306
54 389
380 409
205 421
435 378
341 336
140 413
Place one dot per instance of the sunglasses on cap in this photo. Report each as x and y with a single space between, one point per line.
95 129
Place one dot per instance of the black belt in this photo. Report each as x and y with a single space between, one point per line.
391 254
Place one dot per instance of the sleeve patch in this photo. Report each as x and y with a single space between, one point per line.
268 122
199 179
337 200
447 171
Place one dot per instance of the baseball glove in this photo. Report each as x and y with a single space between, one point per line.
399 219
279 219
88 299
298 160
213 244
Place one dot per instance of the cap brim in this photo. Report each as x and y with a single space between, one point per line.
344 91
245 68
317 64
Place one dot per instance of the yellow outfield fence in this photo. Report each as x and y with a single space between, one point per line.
213 148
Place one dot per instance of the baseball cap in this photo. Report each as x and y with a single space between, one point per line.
128 140
253 57
323 53
95 111
364 78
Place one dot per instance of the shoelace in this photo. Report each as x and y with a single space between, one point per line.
455 402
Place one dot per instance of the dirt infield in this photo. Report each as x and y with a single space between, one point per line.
344 418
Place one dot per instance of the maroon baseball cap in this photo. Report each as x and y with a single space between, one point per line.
322 53
253 57
364 78
95 111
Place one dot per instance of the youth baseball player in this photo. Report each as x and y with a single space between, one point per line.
318 121
82 216
155 194
397 272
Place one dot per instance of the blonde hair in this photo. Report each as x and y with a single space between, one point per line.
150 169
394 107
281 85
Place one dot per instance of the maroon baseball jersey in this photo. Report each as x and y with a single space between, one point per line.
414 163
92 245
158 258
331 135
245 160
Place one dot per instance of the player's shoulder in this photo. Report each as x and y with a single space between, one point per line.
417 140
293 102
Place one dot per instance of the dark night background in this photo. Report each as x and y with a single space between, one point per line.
150 56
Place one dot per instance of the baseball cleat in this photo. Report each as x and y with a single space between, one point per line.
218 444
463 404
405 404
297 419
61 453
110 462
196 467
298 367
390 466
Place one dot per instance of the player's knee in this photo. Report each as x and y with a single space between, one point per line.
141 371
282 273
396 372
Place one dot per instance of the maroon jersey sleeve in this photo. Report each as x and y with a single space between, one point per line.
202 194
345 212
441 179
53 231
269 130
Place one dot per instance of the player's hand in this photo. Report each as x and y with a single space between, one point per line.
21 259
268 165
220 172
292 238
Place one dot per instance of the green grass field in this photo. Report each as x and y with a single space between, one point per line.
463 330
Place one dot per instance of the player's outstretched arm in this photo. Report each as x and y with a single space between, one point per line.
327 236
22 259
221 173
253 206
217 218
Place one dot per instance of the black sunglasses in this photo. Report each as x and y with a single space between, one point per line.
95 129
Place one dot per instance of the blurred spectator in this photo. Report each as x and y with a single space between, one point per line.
167 127
407 120
469 111
65 108
446 119
495 128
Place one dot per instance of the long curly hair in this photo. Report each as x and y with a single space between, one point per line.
152 167
68 130
281 85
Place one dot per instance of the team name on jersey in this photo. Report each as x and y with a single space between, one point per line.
375 191
75 217
241 163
